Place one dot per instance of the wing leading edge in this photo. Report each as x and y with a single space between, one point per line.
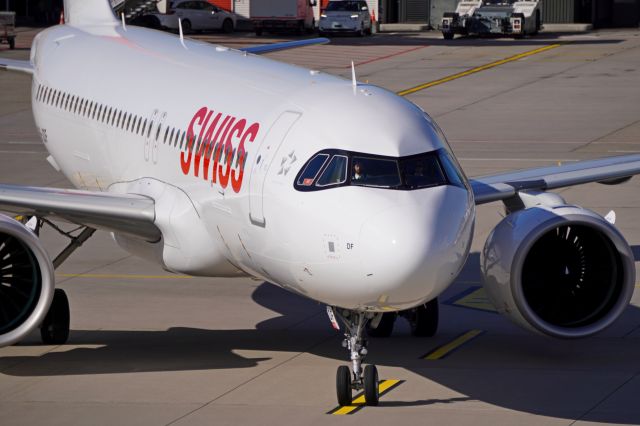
258 50
16 65
506 185
133 215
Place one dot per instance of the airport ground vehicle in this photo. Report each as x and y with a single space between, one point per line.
282 15
246 179
345 16
482 17
196 15
8 28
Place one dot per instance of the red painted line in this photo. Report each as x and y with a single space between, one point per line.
380 58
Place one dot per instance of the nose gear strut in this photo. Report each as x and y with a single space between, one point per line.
359 378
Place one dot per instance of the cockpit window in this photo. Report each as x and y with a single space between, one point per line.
310 172
335 173
333 168
422 172
377 172
454 174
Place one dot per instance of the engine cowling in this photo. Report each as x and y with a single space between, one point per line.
27 281
560 271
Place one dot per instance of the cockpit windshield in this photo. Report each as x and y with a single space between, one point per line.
332 168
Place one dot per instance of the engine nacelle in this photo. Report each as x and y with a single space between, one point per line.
560 271
27 281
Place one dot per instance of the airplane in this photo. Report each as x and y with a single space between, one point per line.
223 163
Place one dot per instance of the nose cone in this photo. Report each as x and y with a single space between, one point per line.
414 250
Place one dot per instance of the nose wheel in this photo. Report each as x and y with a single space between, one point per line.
357 378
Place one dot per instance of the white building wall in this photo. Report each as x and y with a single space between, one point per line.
242 7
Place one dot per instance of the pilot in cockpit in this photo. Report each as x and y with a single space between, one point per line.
358 172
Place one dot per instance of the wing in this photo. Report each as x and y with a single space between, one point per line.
15 65
604 170
133 215
258 50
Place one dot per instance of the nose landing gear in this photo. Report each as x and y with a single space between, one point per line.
357 379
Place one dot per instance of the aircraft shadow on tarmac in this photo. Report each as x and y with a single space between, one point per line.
511 369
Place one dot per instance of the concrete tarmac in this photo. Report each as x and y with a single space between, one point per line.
152 348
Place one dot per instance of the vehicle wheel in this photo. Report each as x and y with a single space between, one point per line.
343 386
186 27
369 30
55 327
447 36
12 43
258 32
385 327
153 22
227 26
538 25
371 391
424 319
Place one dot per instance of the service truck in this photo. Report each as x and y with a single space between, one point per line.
8 28
510 17
282 15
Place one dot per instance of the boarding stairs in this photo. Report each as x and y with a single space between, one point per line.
134 8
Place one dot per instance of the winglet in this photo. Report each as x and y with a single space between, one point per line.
354 81
181 33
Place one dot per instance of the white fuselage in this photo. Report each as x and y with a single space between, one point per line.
117 107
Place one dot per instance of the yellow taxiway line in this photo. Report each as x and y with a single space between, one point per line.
384 386
478 69
448 348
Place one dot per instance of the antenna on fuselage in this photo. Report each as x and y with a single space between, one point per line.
181 32
354 82
124 24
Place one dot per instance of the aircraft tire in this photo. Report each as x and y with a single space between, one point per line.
186 27
55 327
385 328
371 391
424 319
227 26
343 386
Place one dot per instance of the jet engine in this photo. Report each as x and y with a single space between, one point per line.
561 271
27 281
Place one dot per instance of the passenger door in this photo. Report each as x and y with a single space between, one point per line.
263 160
